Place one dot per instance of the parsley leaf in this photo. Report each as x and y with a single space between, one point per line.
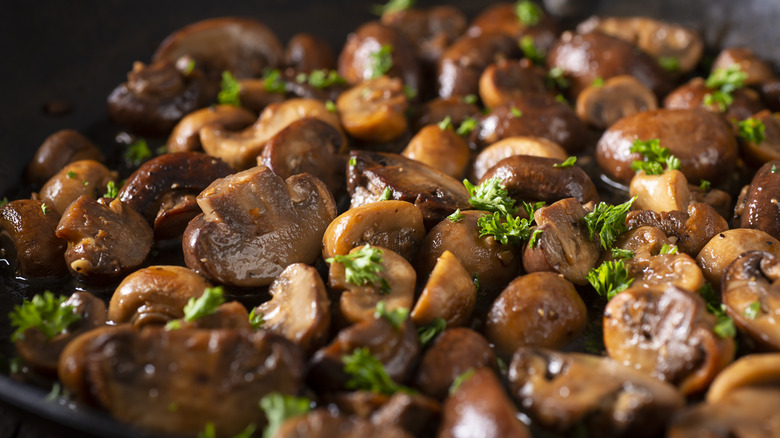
609 221
362 266
395 317
230 89
205 305
387 194
321 79
704 185
468 125
456 216
47 312
4 201
491 195
773 169
598 82
279 407
534 239
610 278
530 209
71 174
752 130
530 50
392 6
429 331
445 124
724 81
456 384
528 12
470 99
511 230
669 63
209 431
367 373
137 152
752 310
45 208
112 191
352 161
381 61
568 163
273 83
669 249
256 319
655 157
724 325
331 106
516 112
557 79
409 92
619 253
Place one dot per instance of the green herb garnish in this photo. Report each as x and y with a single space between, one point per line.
256 319
209 431
509 230
392 6
331 106
609 221
669 63
622 254
568 163
516 112
704 185
273 83
557 79
724 325
752 310
71 174
361 267
530 50
280 407
456 216
387 194
248 431
429 331
467 126
752 130
395 317
112 191
4 201
773 169
205 305
724 81
445 124
47 312
475 279
530 209
491 195
534 239
669 249
137 152
655 157
367 373
230 89
470 99
321 79
528 12
352 161
456 384
381 61
409 92
598 82
610 278
45 208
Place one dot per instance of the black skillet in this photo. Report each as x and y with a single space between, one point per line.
60 59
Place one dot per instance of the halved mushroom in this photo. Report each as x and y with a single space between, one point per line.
397 225
725 247
415 413
168 381
436 110
751 292
374 110
503 18
227 316
242 46
666 332
665 192
155 295
394 286
480 407
254 96
750 370
462 63
442 149
562 391
59 149
679 270
436 194
534 146
528 178
185 136
484 258
693 94
83 177
563 246
307 145
758 71
430 31
449 294
254 224
758 153
305 53
28 241
322 423
761 210
299 308
619 96
106 238
241 149
540 309
507 80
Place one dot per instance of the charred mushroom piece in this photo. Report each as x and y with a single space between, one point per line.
83 177
619 96
396 225
758 71
307 145
299 308
508 80
430 31
56 151
185 136
564 390
761 210
188 369
106 238
155 295
305 53
28 241
436 110
442 149
374 110
534 146
693 94
564 246
254 224
433 192
660 193
449 294
537 179
454 352
666 332
540 309
767 149
481 407
163 189
702 141
415 413
751 292
321 423
725 247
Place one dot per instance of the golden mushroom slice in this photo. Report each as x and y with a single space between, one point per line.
751 370
506 80
186 134
82 177
397 225
534 146
665 192
441 148
374 110
726 246
601 105
299 308
449 294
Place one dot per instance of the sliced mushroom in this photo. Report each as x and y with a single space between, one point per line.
644 242
758 153
462 63
28 241
322 423
397 225
537 179
454 352
484 258
563 246
507 80
540 309
241 149
665 192
750 290
394 286
185 136
168 381
307 145
374 110
534 146
436 194
155 295
666 332
481 407
299 308
761 210
83 177
750 370
106 238
59 149
726 246
655 269
430 31
619 96
415 413
436 110
254 224
566 390
693 94
442 149
305 53
449 294
758 71
255 97
702 141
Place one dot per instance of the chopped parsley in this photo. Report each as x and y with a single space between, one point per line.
456 216
280 407
137 152
189 67
45 208
331 106
381 61
773 169
557 79
598 82
392 6
530 50
321 79
467 126
752 310
273 83
516 112
445 124
205 305
509 230
491 195
622 254
409 92
528 12
669 63
609 221
428 332
704 185
655 157
209 431
387 194
46 312
367 373
723 82
112 191
71 174
752 130
395 317
256 319
568 163
530 209
610 278
470 99
230 89
361 267
724 325
456 384
352 161
475 279
534 239
669 249
4 201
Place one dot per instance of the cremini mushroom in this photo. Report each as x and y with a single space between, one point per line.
324 423
726 246
503 18
507 80
601 105
761 200
374 110
305 53
442 149
56 151
665 192
758 151
449 294
83 177
534 146
185 136
693 94
28 241
458 109
758 70
430 30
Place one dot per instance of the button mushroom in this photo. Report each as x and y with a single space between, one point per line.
254 224
28 241
305 53
299 308
503 18
155 295
665 192
602 105
758 71
374 110
758 151
761 210
462 63
534 146
83 177
56 151
414 412
436 110
693 94
725 247
449 294
185 136
441 149
507 80
430 30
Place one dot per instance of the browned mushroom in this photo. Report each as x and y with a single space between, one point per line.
747 371
83 177
725 247
299 308
503 18
155 295
305 53
322 423
106 238
254 224
761 210
449 294
655 269
462 63
693 94
540 309
436 110
760 151
430 31
416 413
168 381
254 95
507 80
601 105
374 110
770 94
535 146
185 136
665 192
28 240
758 71
227 316
56 151
442 149
702 141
